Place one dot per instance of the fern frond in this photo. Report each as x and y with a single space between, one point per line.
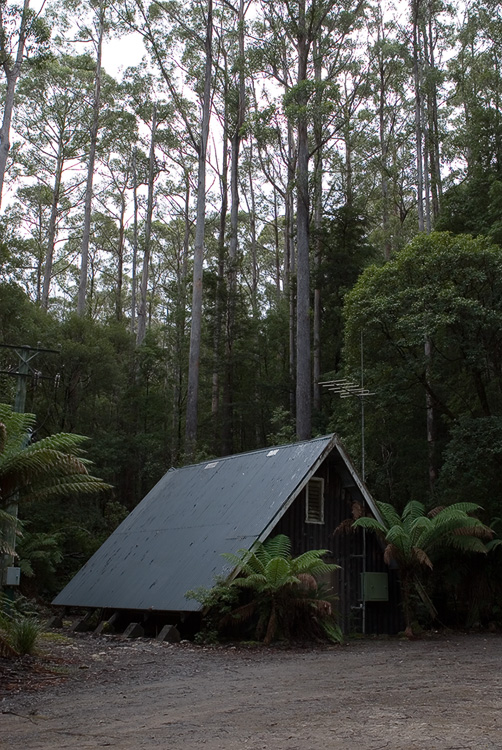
332 630
420 526
422 557
467 544
345 527
243 613
278 546
493 544
390 554
369 523
465 507
307 581
413 510
389 514
75 485
312 562
398 536
478 529
247 562
254 581
3 436
45 468
278 573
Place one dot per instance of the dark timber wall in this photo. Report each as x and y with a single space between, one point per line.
346 548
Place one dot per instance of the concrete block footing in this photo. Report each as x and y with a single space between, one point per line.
81 626
169 634
134 630
107 626
56 621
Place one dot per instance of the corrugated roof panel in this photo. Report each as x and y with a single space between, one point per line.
174 539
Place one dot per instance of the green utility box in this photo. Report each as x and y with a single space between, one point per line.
375 587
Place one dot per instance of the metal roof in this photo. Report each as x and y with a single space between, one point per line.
173 540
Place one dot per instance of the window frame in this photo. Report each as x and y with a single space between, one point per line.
318 516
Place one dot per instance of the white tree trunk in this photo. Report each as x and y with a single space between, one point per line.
12 72
86 233
140 336
303 359
196 326
49 256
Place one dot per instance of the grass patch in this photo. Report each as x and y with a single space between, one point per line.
23 634
49 637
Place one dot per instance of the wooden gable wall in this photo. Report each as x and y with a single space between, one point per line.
347 551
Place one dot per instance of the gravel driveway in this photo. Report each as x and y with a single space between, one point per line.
442 693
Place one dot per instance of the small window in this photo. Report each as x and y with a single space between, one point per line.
314 501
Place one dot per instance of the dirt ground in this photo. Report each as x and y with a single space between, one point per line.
440 693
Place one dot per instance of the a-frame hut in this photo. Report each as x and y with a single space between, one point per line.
173 541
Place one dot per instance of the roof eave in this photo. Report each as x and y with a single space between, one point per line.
359 483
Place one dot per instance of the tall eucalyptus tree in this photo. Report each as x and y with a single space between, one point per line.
471 202
23 32
52 118
429 35
424 41
152 170
302 23
116 156
96 31
230 102
180 40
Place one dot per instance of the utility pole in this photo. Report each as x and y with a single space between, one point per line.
25 355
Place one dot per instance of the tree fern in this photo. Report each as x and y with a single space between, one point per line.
282 590
48 468
412 538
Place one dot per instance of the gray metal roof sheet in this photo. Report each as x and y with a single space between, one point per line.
174 539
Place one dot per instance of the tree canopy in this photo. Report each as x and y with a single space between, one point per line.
446 289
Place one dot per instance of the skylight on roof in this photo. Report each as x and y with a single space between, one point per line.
211 465
272 453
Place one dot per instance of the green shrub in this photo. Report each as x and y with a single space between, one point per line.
23 634
20 627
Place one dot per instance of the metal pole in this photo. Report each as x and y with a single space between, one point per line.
363 474
363 468
10 529
347 389
22 375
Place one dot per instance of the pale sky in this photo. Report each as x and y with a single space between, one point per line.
119 54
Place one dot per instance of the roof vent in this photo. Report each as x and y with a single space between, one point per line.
315 500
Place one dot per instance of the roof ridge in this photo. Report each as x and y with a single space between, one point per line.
212 459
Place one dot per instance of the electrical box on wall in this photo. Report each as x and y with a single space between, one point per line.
12 576
375 587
